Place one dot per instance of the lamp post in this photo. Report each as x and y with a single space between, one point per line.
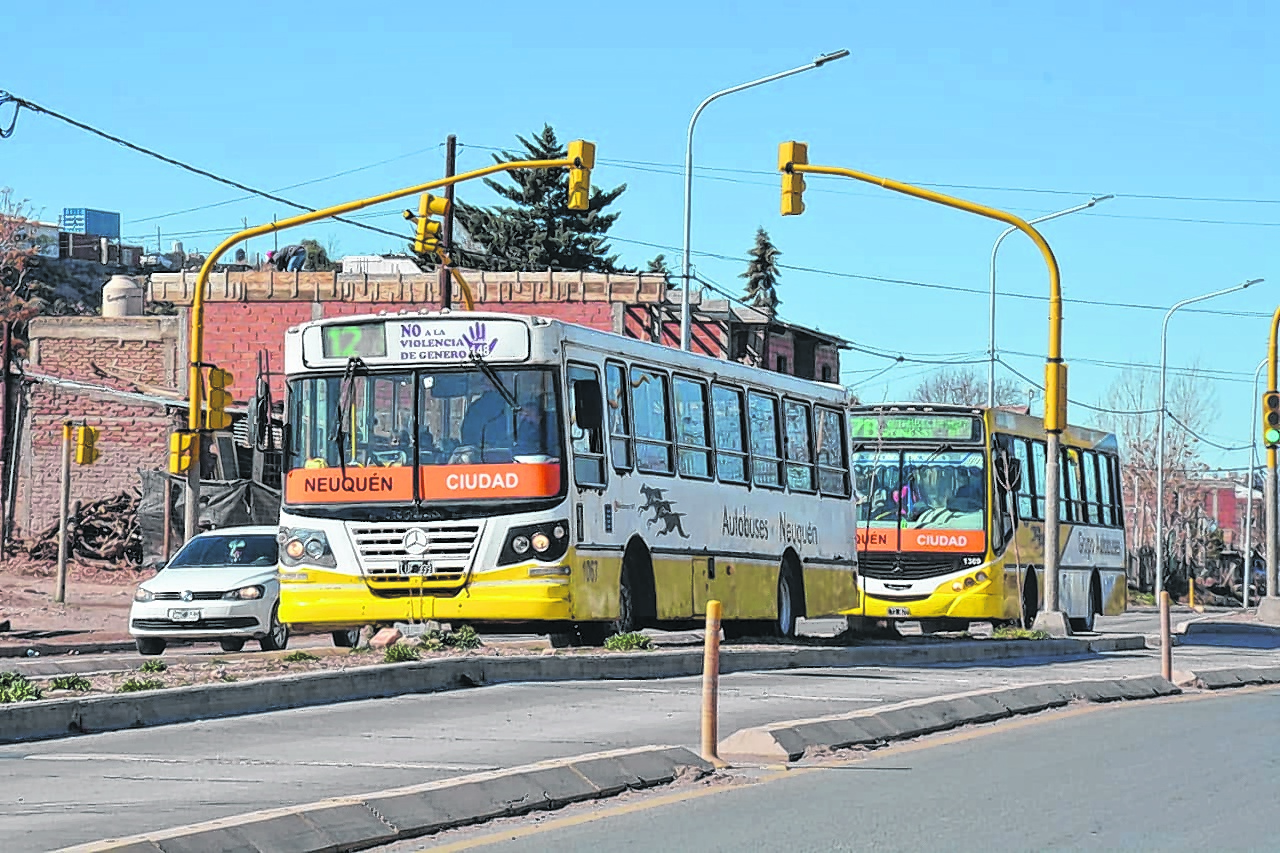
688 175
1248 511
1164 349
991 348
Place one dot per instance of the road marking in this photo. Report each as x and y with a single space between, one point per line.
258 762
925 742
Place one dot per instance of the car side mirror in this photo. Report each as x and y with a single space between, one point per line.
588 404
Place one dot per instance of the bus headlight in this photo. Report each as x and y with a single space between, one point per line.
968 582
303 545
981 577
546 542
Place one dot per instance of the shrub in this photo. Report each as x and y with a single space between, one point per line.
630 642
463 638
133 685
70 682
1010 632
153 666
299 657
14 687
400 653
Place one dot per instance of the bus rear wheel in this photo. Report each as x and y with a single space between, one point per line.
790 600
1085 623
1030 600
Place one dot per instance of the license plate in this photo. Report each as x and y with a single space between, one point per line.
417 567
899 611
184 615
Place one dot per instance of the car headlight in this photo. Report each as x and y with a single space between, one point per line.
143 595
245 593
303 545
548 541
541 542
520 544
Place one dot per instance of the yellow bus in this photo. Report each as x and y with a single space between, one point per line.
521 473
950 507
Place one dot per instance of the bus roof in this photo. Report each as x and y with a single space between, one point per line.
607 343
1003 419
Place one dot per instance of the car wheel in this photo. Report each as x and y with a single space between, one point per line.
348 639
278 635
150 645
231 644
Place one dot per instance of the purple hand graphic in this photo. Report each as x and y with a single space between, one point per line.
476 340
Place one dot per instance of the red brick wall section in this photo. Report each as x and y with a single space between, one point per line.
781 345
826 356
76 358
134 436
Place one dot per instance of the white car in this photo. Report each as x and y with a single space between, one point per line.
221 586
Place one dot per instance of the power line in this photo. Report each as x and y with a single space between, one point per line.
1199 437
6 97
1098 409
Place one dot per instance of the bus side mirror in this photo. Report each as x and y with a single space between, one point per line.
588 405
1011 473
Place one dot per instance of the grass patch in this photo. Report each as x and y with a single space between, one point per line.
1009 632
134 685
359 650
153 666
227 677
400 653
299 657
70 682
14 687
1145 598
464 638
633 641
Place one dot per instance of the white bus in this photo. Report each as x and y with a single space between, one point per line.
527 474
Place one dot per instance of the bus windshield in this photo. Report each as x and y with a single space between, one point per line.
480 433
919 492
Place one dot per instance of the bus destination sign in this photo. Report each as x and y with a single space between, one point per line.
909 426
356 340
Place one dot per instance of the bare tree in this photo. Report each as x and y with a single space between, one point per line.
962 386
18 248
1132 403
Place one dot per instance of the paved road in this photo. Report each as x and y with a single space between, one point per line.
76 790
1100 778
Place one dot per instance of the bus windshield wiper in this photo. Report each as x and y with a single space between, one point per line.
495 380
345 392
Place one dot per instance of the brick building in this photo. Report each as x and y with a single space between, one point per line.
127 374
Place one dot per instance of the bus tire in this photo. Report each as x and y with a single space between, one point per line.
1085 623
943 624
1030 600
790 600
347 639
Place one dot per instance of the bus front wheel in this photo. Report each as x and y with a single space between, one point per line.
1086 622
790 600
1030 600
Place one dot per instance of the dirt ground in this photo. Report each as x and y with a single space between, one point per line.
96 609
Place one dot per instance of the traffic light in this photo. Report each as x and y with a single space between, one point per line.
181 451
426 240
789 154
583 155
1271 419
219 399
86 445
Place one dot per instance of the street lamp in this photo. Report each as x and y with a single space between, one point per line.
991 348
688 175
1248 512
1164 349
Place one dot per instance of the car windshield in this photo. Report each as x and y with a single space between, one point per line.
939 489
227 550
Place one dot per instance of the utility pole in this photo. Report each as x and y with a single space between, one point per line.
446 233
159 245
64 510
245 220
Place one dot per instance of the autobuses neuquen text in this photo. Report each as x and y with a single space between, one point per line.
950 509
527 474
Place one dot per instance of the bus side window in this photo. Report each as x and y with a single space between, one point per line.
1109 515
731 455
693 447
1002 517
651 406
1037 480
762 418
617 407
1090 472
587 441
799 448
833 464
1072 506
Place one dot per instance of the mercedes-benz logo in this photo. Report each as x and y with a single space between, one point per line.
188 595
416 541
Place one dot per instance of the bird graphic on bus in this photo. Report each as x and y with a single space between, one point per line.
662 511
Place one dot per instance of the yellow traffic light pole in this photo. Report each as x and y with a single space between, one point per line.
580 159
1269 607
1051 618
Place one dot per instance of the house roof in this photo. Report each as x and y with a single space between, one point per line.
726 310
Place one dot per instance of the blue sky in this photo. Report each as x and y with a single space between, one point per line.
1032 108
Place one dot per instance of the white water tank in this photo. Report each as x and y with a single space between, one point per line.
121 297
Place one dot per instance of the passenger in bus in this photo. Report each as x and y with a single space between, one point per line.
535 431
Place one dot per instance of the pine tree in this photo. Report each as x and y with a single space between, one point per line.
762 274
540 232
658 266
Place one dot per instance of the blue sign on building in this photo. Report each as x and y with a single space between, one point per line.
99 223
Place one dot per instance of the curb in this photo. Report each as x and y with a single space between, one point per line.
20 651
1221 679
791 741
1210 627
56 718
356 823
